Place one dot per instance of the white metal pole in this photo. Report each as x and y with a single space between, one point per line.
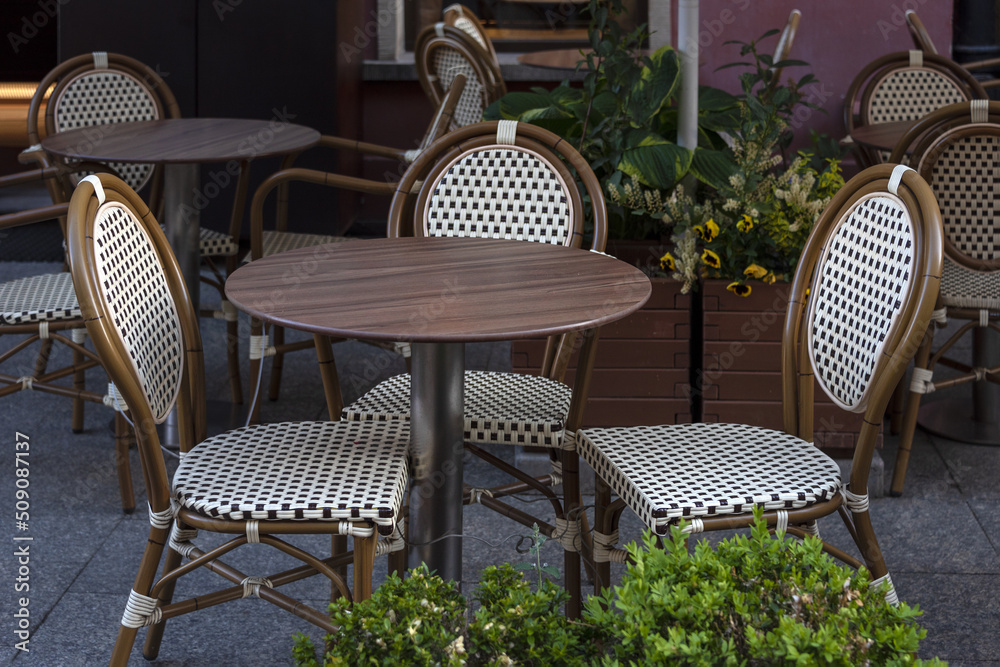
687 47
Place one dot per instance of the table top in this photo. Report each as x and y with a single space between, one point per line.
438 289
182 140
883 136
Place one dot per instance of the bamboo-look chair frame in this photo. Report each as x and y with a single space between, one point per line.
928 141
898 348
461 17
866 88
784 45
922 40
276 347
65 330
150 603
63 77
484 84
407 217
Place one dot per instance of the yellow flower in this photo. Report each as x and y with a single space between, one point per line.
710 259
708 232
770 278
746 224
667 262
755 271
739 289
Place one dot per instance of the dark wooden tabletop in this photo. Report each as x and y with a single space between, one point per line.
883 136
438 289
182 140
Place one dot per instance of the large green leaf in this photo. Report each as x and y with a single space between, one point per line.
659 80
655 162
715 99
712 167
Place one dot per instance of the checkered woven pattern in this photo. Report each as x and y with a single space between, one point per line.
322 471
472 30
965 288
275 242
859 288
448 63
667 473
910 93
214 244
104 97
505 408
965 178
139 303
503 193
41 298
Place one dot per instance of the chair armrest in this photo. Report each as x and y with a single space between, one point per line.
33 215
305 176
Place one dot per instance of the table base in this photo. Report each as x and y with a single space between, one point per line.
953 419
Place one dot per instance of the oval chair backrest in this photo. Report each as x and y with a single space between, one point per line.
909 93
134 288
103 97
500 190
460 17
962 166
859 289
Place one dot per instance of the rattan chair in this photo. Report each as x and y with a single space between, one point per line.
106 88
279 239
905 85
442 52
922 40
515 181
255 483
43 309
861 299
957 150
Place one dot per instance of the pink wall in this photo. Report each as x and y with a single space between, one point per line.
836 38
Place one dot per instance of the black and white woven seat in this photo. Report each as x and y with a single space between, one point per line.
957 150
39 298
905 86
255 483
863 293
667 473
500 408
102 89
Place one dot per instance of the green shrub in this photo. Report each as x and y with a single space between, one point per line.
756 600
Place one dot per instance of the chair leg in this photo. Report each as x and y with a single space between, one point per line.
909 422
571 511
79 384
338 546
233 354
42 360
123 438
871 553
143 582
277 364
364 565
154 636
399 560
602 501
897 405
256 360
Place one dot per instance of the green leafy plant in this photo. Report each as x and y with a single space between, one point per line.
757 600
535 551
753 226
623 120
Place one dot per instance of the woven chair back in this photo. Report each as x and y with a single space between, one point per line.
957 151
465 20
442 52
98 90
501 180
872 268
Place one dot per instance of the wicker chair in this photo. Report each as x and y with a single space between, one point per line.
862 296
442 52
256 483
106 88
922 40
43 309
905 85
506 180
267 242
956 150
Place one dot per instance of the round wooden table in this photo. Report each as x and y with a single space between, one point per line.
182 144
881 136
438 294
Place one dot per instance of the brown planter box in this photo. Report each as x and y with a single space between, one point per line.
641 373
741 365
